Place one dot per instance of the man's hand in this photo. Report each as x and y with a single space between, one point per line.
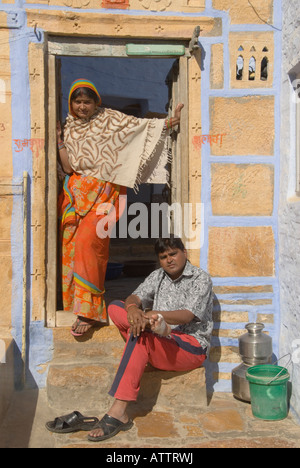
137 320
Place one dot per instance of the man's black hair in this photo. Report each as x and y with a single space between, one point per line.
172 242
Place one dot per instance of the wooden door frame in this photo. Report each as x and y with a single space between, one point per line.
58 46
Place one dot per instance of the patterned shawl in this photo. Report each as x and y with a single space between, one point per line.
118 148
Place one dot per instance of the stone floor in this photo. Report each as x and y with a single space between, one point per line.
223 423
218 421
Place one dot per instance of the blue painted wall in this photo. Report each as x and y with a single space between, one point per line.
40 338
211 220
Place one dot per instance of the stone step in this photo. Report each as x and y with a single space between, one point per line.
82 372
74 386
99 344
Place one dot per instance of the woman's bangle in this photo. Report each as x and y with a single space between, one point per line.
60 145
168 123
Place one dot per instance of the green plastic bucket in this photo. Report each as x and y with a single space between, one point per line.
268 391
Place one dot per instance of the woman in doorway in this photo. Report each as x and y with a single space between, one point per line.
103 152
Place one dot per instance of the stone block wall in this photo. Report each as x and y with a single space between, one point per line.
234 116
6 176
240 100
289 206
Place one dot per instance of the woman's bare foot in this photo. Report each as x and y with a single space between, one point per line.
82 325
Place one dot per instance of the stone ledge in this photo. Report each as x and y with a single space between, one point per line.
87 23
73 386
165 388
83 369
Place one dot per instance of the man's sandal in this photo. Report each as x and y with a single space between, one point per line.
110 427
71 423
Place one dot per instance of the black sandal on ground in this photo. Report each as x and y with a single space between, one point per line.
110 427
71 423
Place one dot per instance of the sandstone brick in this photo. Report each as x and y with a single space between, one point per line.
255 302
265 318
7 372
248 130
226 420
148 5
6 206
224 354
5 290
161 387
242 11
217 67
241 251
193 431
87 23
222 376
252 47
6 203
38 221
253 442
175 5
102 334
228 333
69 386
194 155
225 316
242 289
242 189
75 375
5 101
156 424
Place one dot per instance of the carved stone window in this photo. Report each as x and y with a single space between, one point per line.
264 69
252 68
252 57
239 67
255 58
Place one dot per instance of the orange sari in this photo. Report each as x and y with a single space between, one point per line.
82 204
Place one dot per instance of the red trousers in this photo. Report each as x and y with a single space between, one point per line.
179 353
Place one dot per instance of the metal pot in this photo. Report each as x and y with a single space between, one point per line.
255 348
240 385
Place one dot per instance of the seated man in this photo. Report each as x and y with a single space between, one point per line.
173 335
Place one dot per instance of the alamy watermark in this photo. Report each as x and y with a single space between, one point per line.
140 220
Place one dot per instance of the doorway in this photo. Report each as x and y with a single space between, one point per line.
136 86
167 72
